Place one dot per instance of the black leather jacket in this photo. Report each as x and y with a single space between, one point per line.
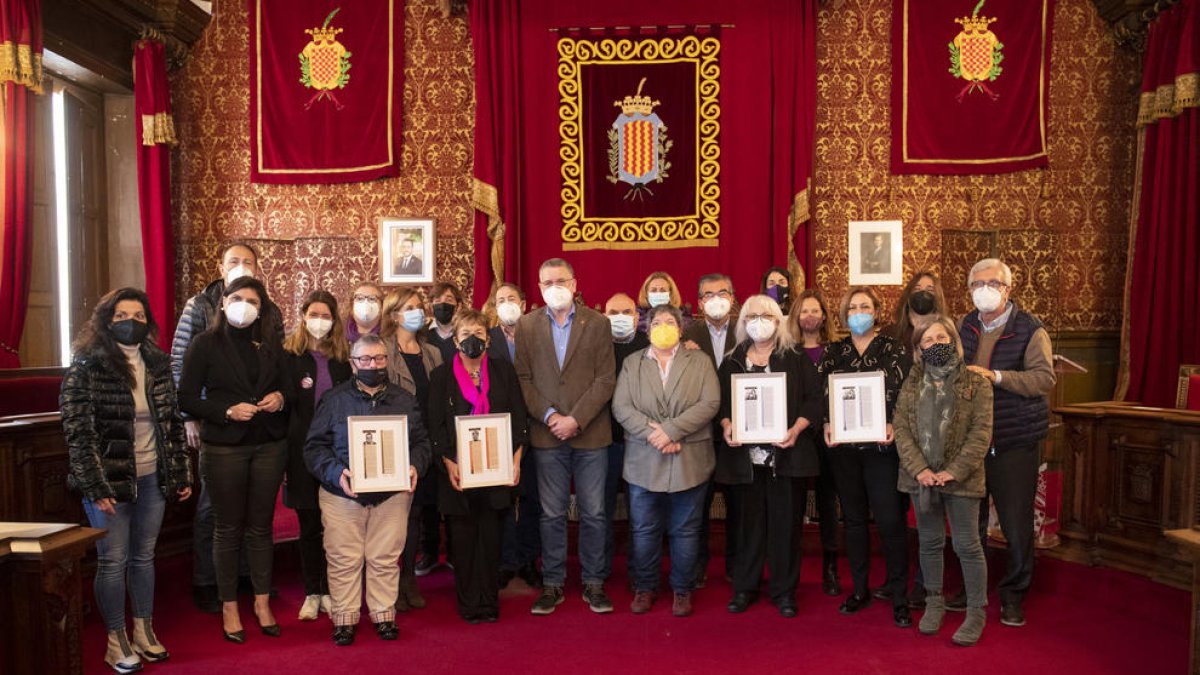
98 414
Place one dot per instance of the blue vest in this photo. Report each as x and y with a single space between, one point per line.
1019 421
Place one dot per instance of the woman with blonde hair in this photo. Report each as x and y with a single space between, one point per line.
658 289
365 314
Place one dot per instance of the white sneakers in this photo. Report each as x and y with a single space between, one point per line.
314 604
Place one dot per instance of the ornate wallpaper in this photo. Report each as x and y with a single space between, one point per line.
321 236
1063 229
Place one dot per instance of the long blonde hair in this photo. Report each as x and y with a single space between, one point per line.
334 344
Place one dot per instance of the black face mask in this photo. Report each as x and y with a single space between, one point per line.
922 302
939 354
371 377
444 312
472 347
130 331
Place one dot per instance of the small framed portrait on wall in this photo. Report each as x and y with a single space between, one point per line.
876 253
406 250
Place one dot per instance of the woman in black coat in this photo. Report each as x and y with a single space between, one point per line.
316 359
125 440
473 384
234 382
765 480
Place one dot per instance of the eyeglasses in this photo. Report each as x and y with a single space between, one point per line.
555 282
366 298
718 294
364 361
994 284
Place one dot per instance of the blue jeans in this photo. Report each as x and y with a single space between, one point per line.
680 514
612 485
556 467
127 549
521 540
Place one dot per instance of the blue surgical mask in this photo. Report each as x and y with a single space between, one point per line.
656 298
414 320
860 324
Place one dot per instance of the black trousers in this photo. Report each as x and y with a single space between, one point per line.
827 503
243 482
412 542
1012 477
312 552
866 485
475 541
769 512
730 529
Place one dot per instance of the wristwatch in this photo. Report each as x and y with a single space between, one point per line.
228 414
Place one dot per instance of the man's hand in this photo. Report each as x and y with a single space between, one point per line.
691 344
980 370
344 483
191 429
563 426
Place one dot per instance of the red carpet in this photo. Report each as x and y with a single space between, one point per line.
1081 620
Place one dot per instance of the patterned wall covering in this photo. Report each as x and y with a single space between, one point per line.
1065 227
321 236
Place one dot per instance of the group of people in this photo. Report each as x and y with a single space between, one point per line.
638 396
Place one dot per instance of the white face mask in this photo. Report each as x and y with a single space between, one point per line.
986 299
557 298
318 328
508 313
622 325
237 273
717 308
240 313
760 329
656 298
366 312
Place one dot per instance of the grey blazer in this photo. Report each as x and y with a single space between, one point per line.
684 407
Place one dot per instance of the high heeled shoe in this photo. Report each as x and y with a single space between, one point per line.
271 630
237 637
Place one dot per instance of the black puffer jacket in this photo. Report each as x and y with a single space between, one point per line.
98 414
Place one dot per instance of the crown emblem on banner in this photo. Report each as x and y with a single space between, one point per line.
324 63
975 54
324 33
975 23
637 104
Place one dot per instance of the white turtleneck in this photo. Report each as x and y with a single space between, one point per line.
144 446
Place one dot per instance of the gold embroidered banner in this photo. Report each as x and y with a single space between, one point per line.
639 121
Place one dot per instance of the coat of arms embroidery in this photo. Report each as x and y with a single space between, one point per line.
324 63
638 145
975 54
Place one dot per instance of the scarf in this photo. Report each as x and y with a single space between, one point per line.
477 397
935 408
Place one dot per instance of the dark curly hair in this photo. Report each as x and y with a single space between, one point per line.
95 339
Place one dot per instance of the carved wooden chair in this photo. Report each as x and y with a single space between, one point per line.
1187 394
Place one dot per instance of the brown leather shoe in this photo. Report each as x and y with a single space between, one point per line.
682 605
642 602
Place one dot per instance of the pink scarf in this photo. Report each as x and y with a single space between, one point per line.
478 398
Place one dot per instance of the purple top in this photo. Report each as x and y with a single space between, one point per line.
815 353
352 333
322 382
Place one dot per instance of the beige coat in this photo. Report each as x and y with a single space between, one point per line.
398 370
685 407
581 388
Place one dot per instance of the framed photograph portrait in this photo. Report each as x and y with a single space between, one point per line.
857 408
759 410
379 453
485 451
406 250
876 253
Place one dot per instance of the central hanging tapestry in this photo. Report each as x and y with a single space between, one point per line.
326 84
639 120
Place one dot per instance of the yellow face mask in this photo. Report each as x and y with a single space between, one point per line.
664 336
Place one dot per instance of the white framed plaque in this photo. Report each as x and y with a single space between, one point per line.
759 407
379 453
857 407
485 451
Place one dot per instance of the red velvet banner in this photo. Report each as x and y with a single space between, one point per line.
970 85
326 86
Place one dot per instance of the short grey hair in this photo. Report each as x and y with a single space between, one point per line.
665 309
988 264
368 340
558 262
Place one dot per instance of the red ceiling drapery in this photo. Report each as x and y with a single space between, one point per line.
1162 306
155 135
20 73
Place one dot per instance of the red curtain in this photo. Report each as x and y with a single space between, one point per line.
1162 317
20 73
767 99
155 135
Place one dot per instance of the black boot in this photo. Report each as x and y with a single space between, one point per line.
829 575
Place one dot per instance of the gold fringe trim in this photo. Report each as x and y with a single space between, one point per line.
1169 100
19 64
1122 388
158 129
798 214
486 199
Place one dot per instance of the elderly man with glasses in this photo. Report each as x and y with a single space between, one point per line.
1012 350
365 529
